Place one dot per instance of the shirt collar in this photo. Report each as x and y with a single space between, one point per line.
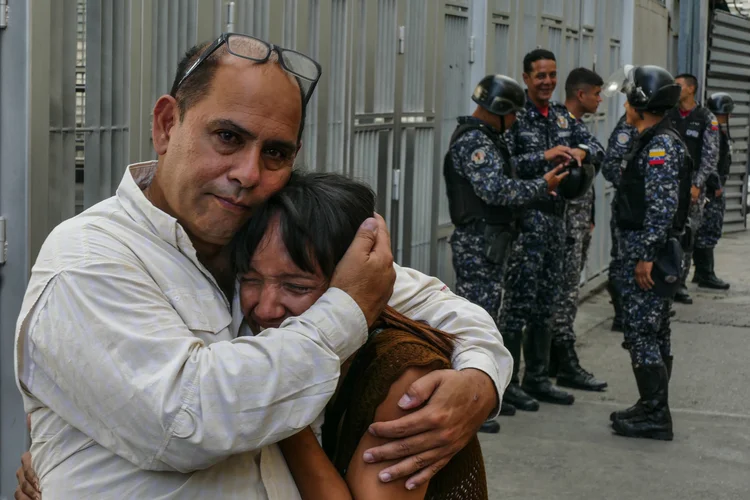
138 177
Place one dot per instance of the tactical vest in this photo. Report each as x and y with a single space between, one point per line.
631 195
464 205
691 130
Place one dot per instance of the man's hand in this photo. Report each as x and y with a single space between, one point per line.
457 403
558 154
28 484
695 193
553 178
718 192
643 274
579 154
366 271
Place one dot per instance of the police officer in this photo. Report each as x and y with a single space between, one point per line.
483 194
720 104
700 131
544 135
582 96
653 182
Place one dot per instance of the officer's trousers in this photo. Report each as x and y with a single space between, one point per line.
712 224
615 263
577 241
533 281
477 280
646 320
695 219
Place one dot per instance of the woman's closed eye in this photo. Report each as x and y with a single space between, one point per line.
298 289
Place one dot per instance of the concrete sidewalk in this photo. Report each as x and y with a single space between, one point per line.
571 452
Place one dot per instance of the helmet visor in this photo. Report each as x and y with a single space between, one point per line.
618 81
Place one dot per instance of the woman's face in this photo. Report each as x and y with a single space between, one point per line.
275 288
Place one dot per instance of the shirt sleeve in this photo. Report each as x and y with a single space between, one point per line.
582 135
425 298
661 177
709 153
619 143
107 351
476 158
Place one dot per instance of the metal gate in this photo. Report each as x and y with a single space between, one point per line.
729 71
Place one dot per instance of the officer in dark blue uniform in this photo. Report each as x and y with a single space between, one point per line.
654 181
544 135
721 105
700 132
484 196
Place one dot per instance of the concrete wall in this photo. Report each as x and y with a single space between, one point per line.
650 33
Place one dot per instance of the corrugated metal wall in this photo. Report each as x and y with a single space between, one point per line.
729 71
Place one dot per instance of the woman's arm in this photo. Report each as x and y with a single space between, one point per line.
316 477
313 472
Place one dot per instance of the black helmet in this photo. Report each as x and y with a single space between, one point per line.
579 179
499 94
651 88
720 103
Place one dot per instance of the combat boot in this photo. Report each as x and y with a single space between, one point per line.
490 427
570 373
708 278
536 382
682 296
514 396
653 420
633 410
614 293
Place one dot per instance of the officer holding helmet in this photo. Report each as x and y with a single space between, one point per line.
721 105
484 195
653 175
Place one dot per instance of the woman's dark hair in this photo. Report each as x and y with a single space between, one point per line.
319 215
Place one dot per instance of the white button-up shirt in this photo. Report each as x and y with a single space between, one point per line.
142 383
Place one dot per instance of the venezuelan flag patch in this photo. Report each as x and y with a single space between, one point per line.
714 125
657 156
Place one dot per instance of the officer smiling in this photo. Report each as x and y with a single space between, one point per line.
546 134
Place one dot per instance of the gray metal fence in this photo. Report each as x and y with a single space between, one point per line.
729 71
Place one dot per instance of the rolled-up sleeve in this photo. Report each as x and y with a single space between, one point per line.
106 351
480 345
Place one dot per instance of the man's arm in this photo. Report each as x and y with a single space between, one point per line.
662 184
426 298
582 135
475 158
709 153
105 350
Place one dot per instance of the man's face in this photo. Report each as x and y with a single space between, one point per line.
589 97
275 288
232 151
542 80
687 90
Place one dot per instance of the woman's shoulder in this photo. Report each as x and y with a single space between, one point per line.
396 349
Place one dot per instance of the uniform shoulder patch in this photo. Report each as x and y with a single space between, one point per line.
714 125
479 156
622 138
562 121
657 156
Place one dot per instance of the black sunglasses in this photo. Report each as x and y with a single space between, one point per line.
306 70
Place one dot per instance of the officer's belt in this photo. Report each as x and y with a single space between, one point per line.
551 207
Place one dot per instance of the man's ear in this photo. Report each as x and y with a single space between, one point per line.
526 78
166 114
